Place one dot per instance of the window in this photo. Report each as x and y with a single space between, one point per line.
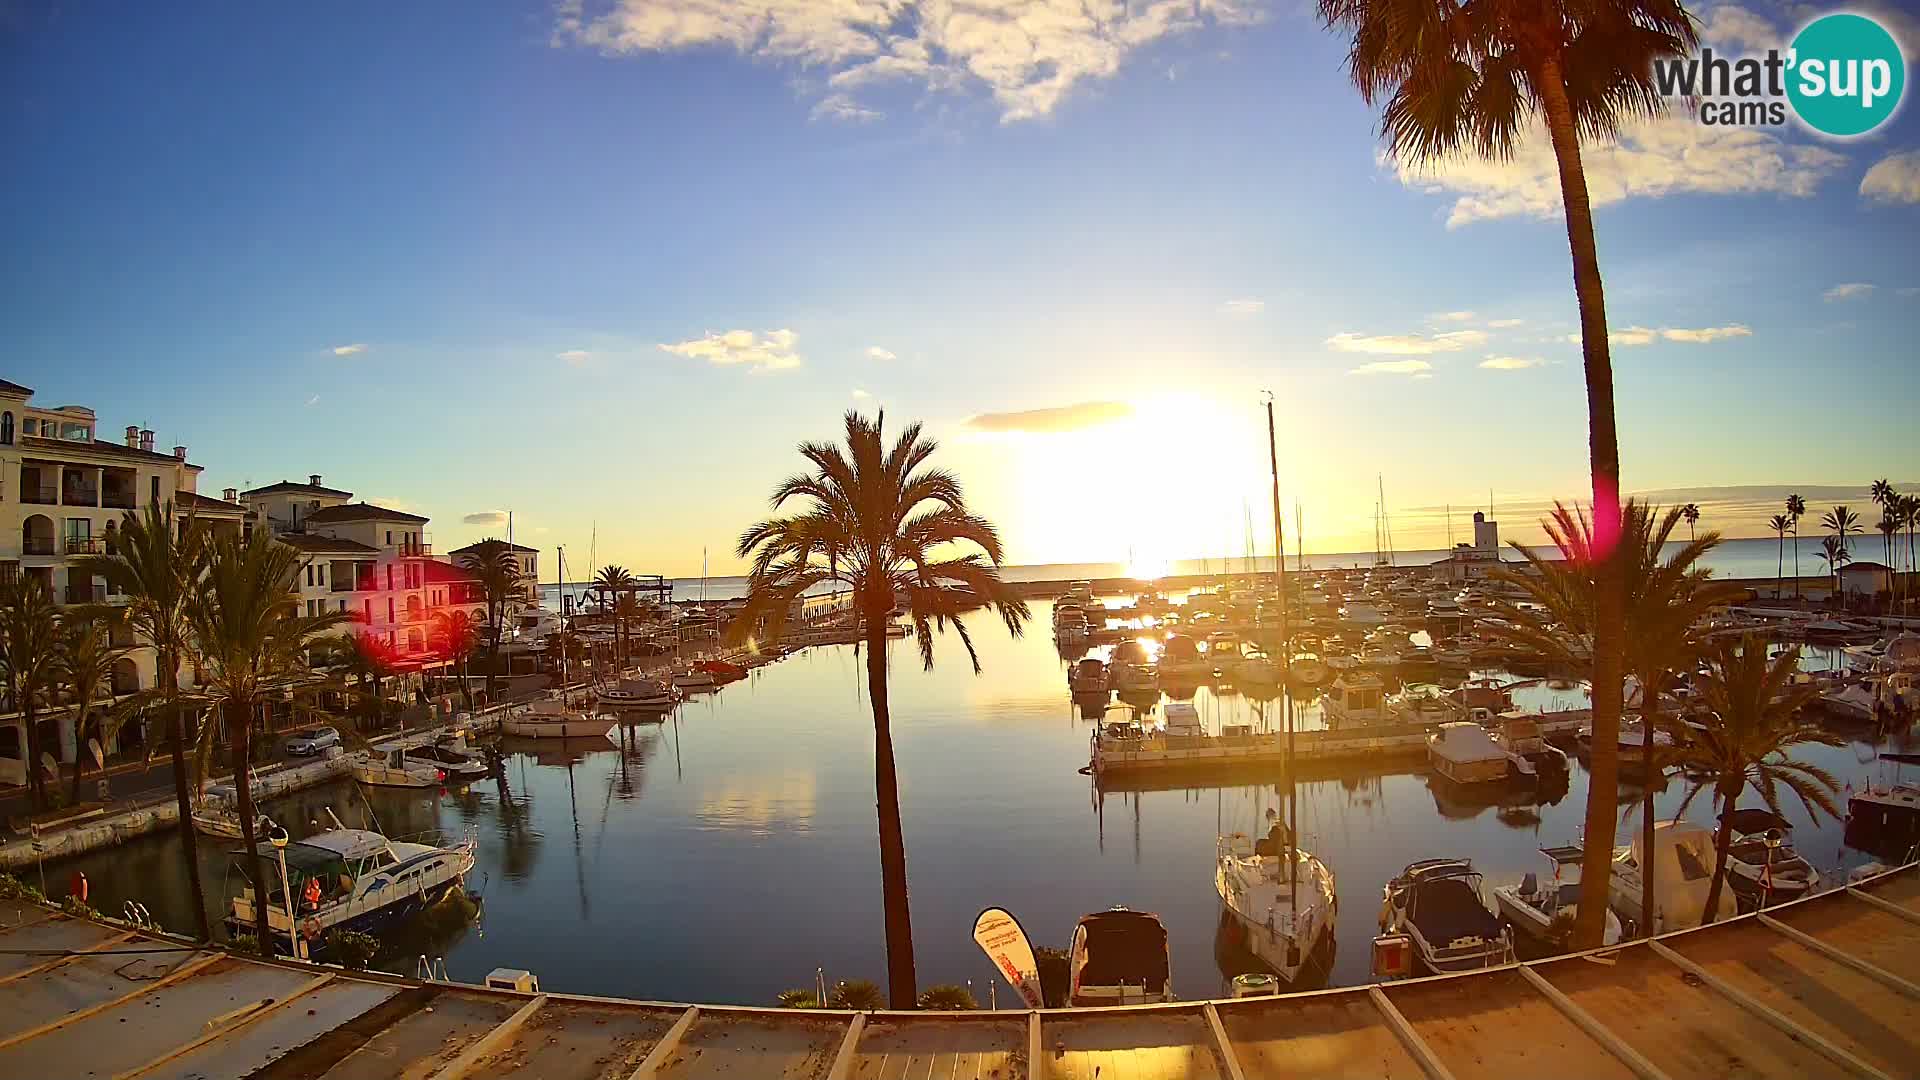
343 606
389 570
6 428
309 576
390 605
155 497
369 610
389 537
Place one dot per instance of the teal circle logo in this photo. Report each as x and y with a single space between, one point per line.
1845 74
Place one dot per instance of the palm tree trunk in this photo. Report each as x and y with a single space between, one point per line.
240 733
1649 716
79 751
1780 568
901 992
1604 452
189 843
1722 841
36 781
1796 560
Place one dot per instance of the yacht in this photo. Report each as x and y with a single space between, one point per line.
1119 957
1356 699
693 677
217 815
1885 816
1281 910
551 718
637 694
1762 866
1519 735
362 880
1363 613
392 767
1089 676
1464 753
1223 653
451 755
1545 911
1684 859
1180 658
1437 903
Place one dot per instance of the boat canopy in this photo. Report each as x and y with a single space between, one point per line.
1179 647
1465 741
1124 948
1753 819
1182 717
1564 855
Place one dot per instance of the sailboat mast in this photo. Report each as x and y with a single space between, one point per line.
1286 650
560 581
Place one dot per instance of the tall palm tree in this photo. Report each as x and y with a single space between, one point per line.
1691 512
626 608
368 659
1889 526
1796 509
1842 522
1779 524
493 566
609 583
83 667
1909 506
156 562
29 651
251 642
1472 77
878 521
1752 719
451 635
1665 599
1835 555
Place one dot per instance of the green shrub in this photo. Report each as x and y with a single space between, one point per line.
12 888
351 949
948 997
798 999
856 994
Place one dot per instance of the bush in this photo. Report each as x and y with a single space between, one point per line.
78 908
12 888
856 994
948 997
244 943
351 949
797 999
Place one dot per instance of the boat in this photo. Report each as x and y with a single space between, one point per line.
1180 658
346 879
693 678
451 755
1136 679
1464 753
1257 671
217 815
1356 699
1306 670
1884 816
1223 653
1282 910
1545 911
1362 613
1437 903
637 694
1071 628
393 768
1526 747
1089 676
1762 865
1683 860
551 718
1119 957
1853 702
727 671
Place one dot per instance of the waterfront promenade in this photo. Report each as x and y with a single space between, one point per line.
1819 987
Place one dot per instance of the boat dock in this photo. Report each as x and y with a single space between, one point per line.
1819 987
1269 749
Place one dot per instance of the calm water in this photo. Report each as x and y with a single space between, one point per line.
725 854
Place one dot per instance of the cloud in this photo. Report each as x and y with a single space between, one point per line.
875 352
1419 369
1632 335
574 357
1667 155
1454 316
350 350
312 401
1852 290
1731 28
485 517
859 393
1893 179
1028 57
1064 418
1246 306
1909 291
1406 344
1707 334
1505 324
1510 363
773 352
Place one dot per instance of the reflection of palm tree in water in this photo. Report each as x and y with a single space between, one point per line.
519 843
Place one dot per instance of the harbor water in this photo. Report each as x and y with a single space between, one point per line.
729 851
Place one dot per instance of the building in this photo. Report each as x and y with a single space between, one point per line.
63 493
525 558
1471 562
1865 578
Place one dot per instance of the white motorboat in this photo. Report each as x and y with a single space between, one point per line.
1884 816
451 755
1307 670
637 694
1356 699
1136 679
553 719
1853 702
1545 910
217 812
394 768
1281 910
693 678
1119 957
1223 653
1180 657
1089 676
1762 866
1529 751
1683 873
1437 903
349 879
1464 753
1363 613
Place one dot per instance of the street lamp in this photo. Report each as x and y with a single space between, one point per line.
277 836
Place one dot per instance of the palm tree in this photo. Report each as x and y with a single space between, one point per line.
892 531
1909 506
451 635
610 582
1472 76
1665 599
1796 509
83 666
1779 524
1691 512
493 566
1752 719
29 651
157 566
1889 526
1836 556
251 642
1842 522
368 659
626 608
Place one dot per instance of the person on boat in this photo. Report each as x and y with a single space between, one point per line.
312 894
1276 839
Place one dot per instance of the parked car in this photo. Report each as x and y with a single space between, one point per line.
313 742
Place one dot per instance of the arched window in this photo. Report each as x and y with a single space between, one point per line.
6 428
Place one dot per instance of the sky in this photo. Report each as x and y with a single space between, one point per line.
603 264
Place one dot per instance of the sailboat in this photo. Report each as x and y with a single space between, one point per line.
1279 898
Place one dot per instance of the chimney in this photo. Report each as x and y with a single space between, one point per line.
314 479
232 495
146 439
133 435
179 453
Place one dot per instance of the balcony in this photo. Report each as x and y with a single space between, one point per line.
419 549
76 495
38 545
117 500
86 545
39 494
85 593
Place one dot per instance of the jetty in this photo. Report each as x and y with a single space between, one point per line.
1818 987
1158 752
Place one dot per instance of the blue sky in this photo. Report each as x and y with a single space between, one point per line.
604 265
